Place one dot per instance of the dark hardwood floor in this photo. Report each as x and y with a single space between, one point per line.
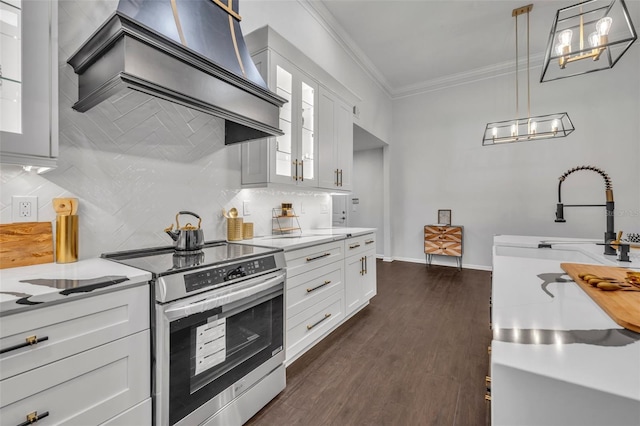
417 355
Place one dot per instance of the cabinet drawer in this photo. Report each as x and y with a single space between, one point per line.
305 290
309 326
70 328
88 388
442 233
445 248
138 415
357 245
306 259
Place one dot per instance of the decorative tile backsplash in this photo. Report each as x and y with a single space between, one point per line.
134 161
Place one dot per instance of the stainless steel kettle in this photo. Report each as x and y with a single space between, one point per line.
189 237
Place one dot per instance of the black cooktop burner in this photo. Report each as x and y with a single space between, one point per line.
166 260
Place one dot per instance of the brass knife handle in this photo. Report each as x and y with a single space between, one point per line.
311 259
309 327
33 418
29 341
327 282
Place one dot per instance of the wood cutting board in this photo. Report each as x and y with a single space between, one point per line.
622 306
25 243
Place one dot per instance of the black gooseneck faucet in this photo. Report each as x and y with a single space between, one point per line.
609 235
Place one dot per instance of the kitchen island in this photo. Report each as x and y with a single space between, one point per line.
556 356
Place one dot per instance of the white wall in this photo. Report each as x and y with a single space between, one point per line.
368 188
437 161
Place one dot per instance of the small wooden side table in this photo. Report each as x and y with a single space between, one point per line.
443 240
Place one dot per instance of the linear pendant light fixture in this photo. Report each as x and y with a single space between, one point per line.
587 37
529 128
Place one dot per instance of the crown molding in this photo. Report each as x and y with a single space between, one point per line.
467 77
322 15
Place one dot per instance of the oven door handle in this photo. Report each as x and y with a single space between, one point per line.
239 291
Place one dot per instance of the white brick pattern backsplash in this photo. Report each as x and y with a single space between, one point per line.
134 161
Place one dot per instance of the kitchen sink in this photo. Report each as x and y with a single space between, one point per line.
564 255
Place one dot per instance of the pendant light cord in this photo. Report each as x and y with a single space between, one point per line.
528 79
517 84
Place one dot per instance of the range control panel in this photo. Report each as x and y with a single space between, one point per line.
221 274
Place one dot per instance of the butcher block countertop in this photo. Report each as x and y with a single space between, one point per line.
36 286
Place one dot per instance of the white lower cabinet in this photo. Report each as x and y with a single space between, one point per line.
324 288
310 326
315 295
89 362
360 270
88 388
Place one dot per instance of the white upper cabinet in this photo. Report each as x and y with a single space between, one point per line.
29 82
335 144
316 150
290 158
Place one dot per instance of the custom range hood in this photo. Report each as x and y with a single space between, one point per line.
191 52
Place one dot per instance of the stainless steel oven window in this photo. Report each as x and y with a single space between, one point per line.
245 333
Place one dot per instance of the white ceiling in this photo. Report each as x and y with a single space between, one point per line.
412 45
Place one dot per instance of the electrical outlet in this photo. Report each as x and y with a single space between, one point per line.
246 208
24 209
302 209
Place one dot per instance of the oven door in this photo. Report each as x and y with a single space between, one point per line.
213 346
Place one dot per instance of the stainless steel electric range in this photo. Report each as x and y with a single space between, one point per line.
218 330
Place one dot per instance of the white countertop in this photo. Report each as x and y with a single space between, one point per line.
308 238
546 325
59 282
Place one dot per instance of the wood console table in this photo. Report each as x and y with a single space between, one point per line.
443 240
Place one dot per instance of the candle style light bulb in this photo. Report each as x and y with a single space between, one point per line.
604 25
494 132
554 126
565 37
513 130
534 127
594 39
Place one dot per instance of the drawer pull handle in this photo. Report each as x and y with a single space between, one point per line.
356 245
33 418
309 290
309 327
311 259
29 341
369 241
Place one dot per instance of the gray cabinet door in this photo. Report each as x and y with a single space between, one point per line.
32 137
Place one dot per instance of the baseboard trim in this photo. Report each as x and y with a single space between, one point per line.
440 263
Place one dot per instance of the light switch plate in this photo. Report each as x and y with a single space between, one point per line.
24 209
246 208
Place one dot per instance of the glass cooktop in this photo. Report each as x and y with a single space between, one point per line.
166 260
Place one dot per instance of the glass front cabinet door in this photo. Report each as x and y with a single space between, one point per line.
28 82
290 158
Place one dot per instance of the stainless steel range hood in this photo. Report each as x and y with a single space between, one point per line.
189 52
